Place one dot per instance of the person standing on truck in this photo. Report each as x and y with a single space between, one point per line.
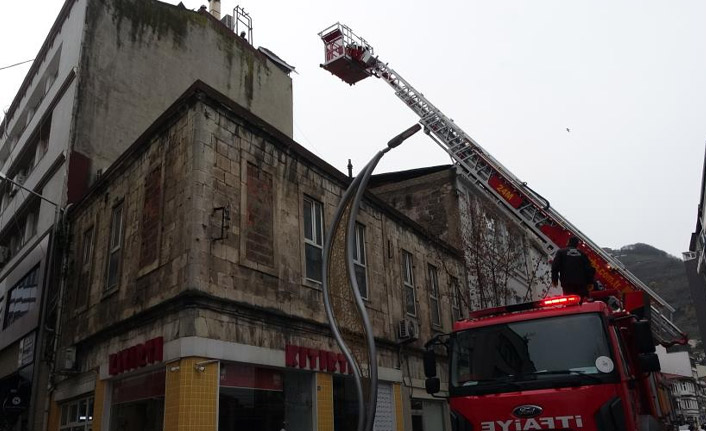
573 268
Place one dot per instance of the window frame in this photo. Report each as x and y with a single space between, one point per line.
86 266
317 239
408 282
115 248
455 287
65 410
434 297
358 252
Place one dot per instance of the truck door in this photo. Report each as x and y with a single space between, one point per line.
629 384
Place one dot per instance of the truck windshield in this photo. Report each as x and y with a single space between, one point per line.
531 353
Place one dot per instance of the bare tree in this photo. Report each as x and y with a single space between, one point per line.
502 267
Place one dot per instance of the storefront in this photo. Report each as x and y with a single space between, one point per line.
145 388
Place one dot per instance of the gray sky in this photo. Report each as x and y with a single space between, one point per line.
628 78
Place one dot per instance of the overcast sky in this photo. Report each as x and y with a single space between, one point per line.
628 78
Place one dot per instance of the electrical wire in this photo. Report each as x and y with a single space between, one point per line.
16 64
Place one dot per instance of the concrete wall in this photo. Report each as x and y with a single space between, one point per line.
139 56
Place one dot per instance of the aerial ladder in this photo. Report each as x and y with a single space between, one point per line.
352 59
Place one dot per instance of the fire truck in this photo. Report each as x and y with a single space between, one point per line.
561 363
352 59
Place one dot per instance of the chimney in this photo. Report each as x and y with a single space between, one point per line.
215 8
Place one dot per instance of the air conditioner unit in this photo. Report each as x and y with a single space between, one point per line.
407 330
69 359
228 21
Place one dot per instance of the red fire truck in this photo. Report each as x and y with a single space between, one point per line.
561 363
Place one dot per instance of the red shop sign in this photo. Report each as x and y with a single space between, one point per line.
315 359
137 356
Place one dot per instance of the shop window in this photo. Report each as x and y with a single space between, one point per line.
345 404
138 403
434 295
115 247
417 415
22 297
408 282
359 260
84 278
77 415
313 238
257 398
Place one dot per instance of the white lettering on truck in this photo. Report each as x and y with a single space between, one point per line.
542 423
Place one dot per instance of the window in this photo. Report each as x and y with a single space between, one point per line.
408 281
313 238
359 260
84 278
434 296
115 247
490 225
30 225
22 297
455 298
77 415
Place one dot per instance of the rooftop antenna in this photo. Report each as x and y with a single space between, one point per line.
243 24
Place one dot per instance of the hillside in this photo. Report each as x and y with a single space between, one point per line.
666 275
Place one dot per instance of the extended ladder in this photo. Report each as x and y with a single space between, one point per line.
352 59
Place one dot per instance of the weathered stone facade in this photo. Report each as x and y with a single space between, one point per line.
504 263
213 250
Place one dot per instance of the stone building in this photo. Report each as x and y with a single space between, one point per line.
193 290
504 262
106 71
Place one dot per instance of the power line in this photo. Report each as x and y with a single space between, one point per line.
16 64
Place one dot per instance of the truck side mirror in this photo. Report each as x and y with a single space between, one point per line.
432 385
643 336
430 363
648 362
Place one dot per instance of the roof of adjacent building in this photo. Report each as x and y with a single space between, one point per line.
394 177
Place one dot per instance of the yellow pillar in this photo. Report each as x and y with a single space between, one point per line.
324 402
98 401
397 389
191 395
54 416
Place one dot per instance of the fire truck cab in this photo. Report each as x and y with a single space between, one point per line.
562 363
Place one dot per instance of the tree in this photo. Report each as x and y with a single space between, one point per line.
503 267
